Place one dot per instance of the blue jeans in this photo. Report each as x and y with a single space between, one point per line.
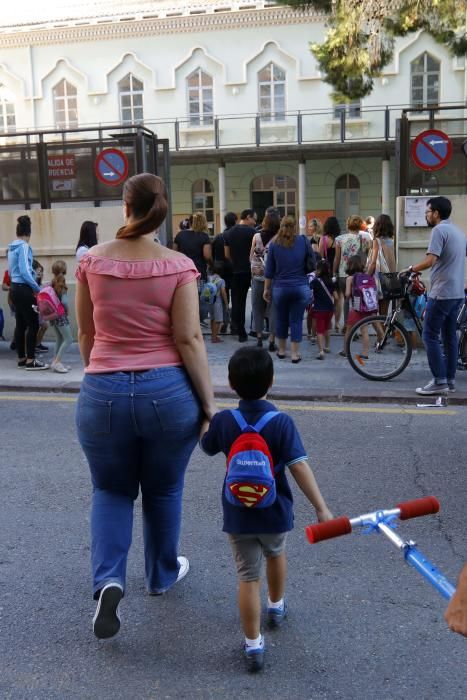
137 429
289 306
440 317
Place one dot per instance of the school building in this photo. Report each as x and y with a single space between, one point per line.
234 90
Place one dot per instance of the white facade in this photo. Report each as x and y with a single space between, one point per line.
119 61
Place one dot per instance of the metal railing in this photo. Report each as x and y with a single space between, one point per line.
296 127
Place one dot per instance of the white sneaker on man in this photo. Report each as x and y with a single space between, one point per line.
432 389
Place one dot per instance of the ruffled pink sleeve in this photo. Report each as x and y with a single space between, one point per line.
187 276
80 273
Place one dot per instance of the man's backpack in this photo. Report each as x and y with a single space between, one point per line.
208 293
250 481
364 292
49 305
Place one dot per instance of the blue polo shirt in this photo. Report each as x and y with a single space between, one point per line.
286 449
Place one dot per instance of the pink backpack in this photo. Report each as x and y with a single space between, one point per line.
49 305
364 292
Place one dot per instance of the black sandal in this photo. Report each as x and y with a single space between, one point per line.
281 357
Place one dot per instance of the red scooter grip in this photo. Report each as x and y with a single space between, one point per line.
325 531
420 506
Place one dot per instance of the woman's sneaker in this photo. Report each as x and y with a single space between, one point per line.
58 367
35 366
106 621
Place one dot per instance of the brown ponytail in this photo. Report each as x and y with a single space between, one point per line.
58 279
287 232
147 197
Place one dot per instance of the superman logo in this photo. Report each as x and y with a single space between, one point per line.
249 494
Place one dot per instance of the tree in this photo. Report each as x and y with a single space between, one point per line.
360 37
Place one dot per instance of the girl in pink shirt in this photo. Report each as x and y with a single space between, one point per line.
145 392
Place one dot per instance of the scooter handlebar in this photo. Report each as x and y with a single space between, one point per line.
418 507
325 531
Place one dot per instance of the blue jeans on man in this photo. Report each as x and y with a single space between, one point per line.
440 318
137 429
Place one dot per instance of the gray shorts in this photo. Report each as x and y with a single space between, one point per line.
248 551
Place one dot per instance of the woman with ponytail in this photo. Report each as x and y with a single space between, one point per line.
286 268
145 393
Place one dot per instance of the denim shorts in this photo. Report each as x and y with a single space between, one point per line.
248 551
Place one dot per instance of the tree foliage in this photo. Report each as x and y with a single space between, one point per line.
360 37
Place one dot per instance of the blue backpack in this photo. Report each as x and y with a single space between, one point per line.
250 481
208 293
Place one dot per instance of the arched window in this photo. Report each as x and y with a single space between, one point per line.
200 99
130 93
7 110
65 98
279 191
347 198
271 87
203 200
424 77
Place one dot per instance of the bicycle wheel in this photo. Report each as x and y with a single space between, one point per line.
378 349
462 351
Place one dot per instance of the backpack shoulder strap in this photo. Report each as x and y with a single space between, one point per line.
242 424
264 420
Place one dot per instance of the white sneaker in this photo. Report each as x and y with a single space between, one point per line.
182 572
106 620
58 367
432 389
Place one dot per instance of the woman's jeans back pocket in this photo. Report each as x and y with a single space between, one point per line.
179 413
93 415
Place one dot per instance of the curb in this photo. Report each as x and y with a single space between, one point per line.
290 394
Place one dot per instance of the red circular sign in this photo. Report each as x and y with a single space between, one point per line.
111 167
431 150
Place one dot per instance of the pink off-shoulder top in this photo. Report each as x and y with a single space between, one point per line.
132 302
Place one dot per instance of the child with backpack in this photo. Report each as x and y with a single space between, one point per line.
214 298
324 297
52 302
362 294
261 444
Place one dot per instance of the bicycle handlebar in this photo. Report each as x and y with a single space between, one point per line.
343 525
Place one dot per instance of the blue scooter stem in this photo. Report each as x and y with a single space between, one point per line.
414 557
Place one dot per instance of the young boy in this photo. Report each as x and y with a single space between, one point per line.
256 532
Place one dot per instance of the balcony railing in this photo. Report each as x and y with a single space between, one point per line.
303 127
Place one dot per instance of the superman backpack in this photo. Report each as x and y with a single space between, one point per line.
250 481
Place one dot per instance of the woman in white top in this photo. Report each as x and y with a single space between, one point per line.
87 238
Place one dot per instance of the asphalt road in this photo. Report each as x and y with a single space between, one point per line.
362 623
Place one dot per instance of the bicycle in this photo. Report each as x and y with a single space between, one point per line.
392 348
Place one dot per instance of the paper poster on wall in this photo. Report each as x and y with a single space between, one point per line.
414 211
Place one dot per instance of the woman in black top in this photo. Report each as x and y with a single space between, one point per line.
327 250
195 243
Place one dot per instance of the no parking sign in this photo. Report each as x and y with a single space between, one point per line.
431 150
111 167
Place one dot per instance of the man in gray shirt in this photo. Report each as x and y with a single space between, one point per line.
446 258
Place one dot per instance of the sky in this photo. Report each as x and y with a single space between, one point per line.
32 11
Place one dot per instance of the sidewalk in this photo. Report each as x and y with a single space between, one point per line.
331 380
